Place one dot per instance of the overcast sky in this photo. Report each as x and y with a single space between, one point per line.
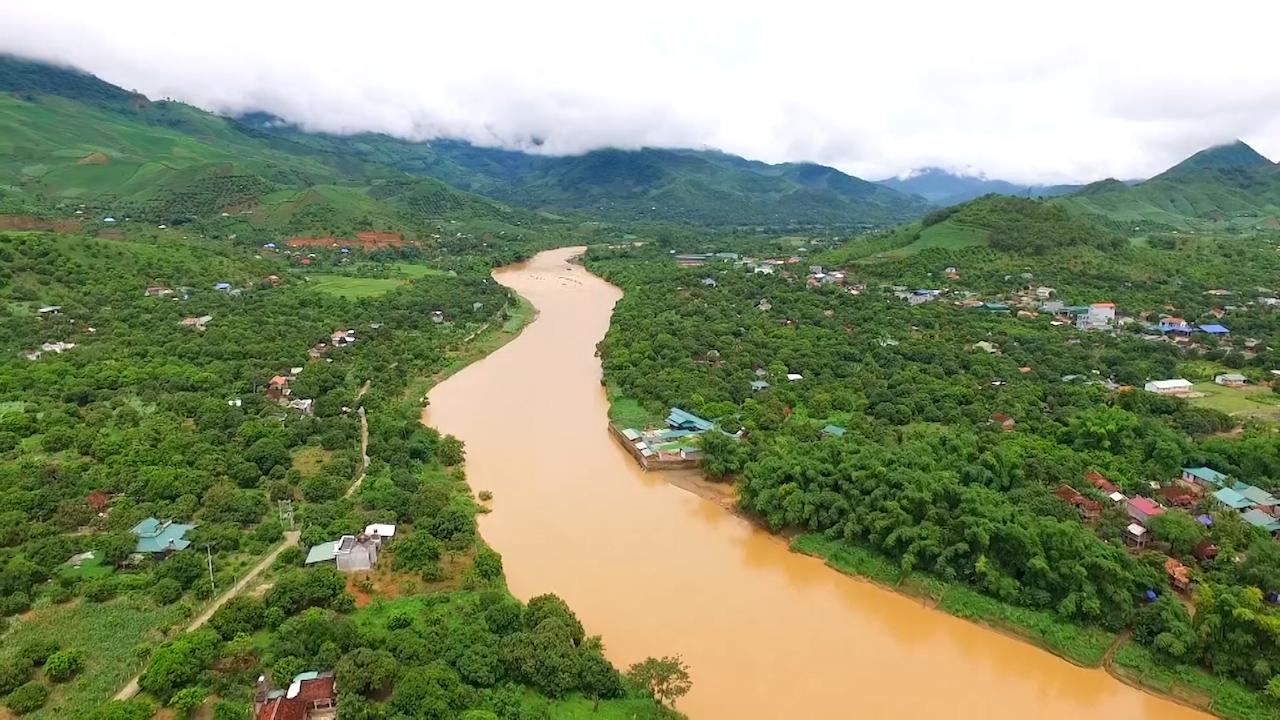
1025 91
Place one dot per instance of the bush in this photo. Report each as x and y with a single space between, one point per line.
99 590
13 672
28 698
64 665
290 557
37 650
185 701
166 592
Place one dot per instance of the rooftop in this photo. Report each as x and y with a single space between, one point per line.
1233 499
1207 474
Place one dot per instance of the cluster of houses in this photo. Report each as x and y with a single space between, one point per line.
278 391
337 339
669 447
309 696
353 553
1256 506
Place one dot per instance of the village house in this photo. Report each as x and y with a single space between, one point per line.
350 553
49 310
1178 495
1173 326
1044 293
384 532
1136 536
1005 422
273 280
1235 380
278 387
691 260
158 291
1176 387
758 385
57 348
199 323
679 419
1100 482
1233 499
1098 316
794 377
342 338
1142 509
834 431
1260 519
160 537
1203 477
1088 509
1205 551
310 696
1178 574
1215 329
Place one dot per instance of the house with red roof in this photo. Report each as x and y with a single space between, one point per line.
1142 509
1100 481
311 696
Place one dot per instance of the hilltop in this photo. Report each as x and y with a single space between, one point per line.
1228 185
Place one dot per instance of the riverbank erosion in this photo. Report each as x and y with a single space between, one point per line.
656 570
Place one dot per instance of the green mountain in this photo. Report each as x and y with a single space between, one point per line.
942 187
1229 185
652 183
70 142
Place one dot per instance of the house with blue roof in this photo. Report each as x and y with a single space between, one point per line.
160 537
833 431
1214 329
681 420
1204 477
1256 495
1259 519
1233 499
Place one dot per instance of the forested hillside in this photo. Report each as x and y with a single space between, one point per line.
1225 187
649 184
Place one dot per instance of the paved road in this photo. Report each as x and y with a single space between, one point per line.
290 539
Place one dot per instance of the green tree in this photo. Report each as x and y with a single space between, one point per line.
666 678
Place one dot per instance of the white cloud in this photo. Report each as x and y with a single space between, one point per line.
1023 91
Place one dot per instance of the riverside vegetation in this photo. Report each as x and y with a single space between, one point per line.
924 490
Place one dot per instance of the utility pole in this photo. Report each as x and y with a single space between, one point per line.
213 590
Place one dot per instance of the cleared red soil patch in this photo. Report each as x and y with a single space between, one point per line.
93 159
364 240
29 222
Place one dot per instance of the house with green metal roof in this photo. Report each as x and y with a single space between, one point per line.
1257 518
1256 495
1204 477
158 537
833 431
1233 499
681 420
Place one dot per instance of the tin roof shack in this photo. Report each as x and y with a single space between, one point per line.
1088 509
1142 509
1178 574
1204 477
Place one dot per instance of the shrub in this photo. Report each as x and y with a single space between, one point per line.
13 672
37 650
166 592
63 665
99 590
290 557
185 701
28 698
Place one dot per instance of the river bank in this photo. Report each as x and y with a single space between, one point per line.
656 570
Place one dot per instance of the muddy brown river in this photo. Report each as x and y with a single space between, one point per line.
657 570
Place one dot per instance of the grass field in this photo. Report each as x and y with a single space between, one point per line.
108 633
627 412
353 288
1253 401
948 235
89 569
308 461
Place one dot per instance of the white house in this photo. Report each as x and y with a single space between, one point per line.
1175 386
1099 317
1230 379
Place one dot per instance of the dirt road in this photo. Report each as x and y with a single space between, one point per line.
290 539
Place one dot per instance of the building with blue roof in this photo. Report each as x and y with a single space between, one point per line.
681 420
1214 329
1256 495
159 537
1204 477
1259 519
1233 499
833 431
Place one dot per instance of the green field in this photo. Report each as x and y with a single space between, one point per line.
107 633
353 288
947 235
1254 401
89 569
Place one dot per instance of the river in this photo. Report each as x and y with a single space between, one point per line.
657 570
